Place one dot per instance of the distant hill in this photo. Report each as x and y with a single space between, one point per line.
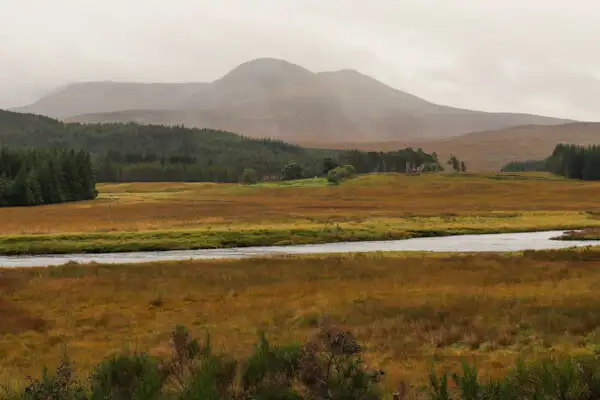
94 97
491 150
276 99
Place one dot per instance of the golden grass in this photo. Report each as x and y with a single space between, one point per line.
407 310
393 197
169 216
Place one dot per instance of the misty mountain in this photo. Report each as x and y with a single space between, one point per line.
277 99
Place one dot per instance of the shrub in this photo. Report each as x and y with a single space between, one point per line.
213 379
337 175
195 372
547 379
61 385
327 367
350 170
334 177
331 367
270 372
249 176
292 171
127 377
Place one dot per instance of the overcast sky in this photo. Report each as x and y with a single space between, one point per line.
537 56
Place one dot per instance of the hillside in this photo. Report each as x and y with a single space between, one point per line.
133 152
276 99
154 152
490 150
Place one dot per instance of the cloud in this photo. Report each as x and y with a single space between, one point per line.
537 56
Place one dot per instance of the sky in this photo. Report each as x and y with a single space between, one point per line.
534 56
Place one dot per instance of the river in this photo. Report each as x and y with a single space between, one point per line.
501 242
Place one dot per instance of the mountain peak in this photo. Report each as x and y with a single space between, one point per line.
269 71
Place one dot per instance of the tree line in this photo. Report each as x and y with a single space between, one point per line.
568 160
45 176
575 162
525 166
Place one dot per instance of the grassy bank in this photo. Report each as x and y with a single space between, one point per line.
293 233
173 216
584 234
407 311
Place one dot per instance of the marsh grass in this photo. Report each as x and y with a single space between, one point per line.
175 216
409 227
139 207
407 310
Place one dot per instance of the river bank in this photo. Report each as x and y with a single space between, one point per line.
499 243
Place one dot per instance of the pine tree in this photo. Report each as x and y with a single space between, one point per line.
34 176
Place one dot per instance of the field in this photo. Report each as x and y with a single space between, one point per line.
408 310
163 216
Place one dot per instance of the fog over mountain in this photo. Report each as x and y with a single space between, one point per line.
535 57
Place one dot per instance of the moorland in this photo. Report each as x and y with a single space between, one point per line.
167 216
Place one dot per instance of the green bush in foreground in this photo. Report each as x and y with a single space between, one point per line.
329 366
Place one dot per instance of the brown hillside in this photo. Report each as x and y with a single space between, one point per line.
274 98
491 150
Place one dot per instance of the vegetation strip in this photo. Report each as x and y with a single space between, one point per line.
94 243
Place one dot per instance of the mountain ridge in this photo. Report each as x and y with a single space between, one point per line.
277 99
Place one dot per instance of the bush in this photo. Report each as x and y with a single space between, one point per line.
337 175
328 366
547 379
331 368
127 377
61 385
292 171
270 372
334 177
195 372
350 170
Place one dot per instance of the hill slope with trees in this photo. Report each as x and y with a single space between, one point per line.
132 152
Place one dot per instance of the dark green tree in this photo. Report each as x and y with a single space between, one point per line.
293 170
329 163
44 176
454 163
249 176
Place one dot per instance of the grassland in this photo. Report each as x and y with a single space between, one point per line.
408 310
165 216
